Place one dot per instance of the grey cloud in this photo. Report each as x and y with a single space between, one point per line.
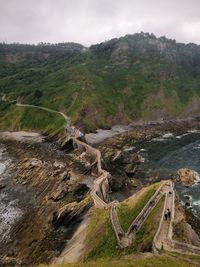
92 21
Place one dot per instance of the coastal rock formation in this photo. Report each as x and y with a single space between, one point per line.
186 176
54 200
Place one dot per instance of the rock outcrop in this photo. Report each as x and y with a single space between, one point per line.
186 176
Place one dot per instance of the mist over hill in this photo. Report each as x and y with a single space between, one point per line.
135 77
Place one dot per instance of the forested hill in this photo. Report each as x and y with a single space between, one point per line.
118 81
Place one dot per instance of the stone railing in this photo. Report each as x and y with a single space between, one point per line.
91 151
155 239
100 201
100 190
170 232
119 233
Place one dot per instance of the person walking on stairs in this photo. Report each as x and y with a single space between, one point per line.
169 214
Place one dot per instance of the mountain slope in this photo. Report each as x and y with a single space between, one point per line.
130 78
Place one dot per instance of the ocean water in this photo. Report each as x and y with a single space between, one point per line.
166 154
9 210
2 165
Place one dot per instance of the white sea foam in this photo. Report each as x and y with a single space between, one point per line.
193 131
196 203
197 178
188 197
163 137
129 148
2 168
143 150
158 139
182 135
197 147
168 135
9 213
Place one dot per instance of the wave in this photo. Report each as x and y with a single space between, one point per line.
163 137
182 135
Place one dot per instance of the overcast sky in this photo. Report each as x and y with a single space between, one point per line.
93 21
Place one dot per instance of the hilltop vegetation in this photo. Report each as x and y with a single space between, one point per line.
130 78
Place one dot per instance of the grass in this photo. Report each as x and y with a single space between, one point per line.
144 237
151 261
194 258
27 118
101 241
128 210
96 88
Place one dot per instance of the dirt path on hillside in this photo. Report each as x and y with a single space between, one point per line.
46 109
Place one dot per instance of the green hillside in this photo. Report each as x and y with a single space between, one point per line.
122 80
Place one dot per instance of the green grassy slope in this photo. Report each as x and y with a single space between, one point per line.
153 261
104 244
128 210
28 118
133 77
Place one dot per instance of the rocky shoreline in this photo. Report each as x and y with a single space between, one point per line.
52 198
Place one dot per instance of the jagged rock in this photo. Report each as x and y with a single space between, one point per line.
55 173
33 163
186 176
67 145
2 186
65 175
134 182
58 165
81 189
133 158
59 194
117 156
70 216
130 169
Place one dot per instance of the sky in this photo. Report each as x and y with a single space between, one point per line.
93 21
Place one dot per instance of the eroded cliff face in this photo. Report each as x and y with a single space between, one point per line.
184 226
56 202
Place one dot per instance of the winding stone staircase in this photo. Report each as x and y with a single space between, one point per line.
163 238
